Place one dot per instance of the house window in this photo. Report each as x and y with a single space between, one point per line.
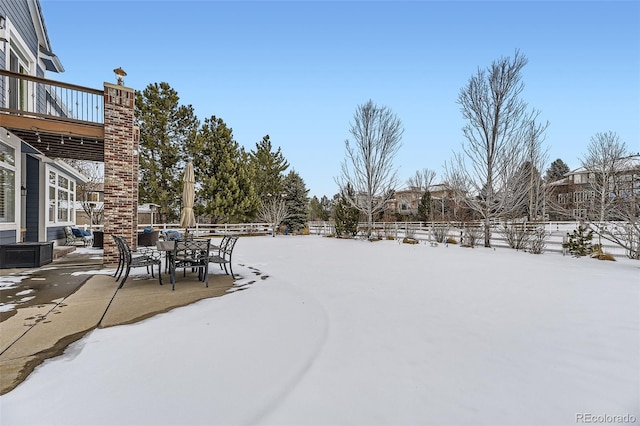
563 197
18 93
580 213
7 184
61 198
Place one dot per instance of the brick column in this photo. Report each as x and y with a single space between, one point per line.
120 169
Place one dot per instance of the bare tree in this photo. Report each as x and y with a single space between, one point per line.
536 160
87 192
497 124
273 211
368 167
457 185
603 162
422 180
613 179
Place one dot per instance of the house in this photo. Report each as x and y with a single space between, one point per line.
37 193
576 195
406 202
43 121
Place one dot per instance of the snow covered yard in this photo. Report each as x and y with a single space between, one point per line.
339 332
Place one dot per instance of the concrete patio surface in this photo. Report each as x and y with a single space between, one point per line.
40 331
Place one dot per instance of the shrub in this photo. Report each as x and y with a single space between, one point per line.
440 233
517 235
579 243
451 240
390 237
409 230
472 235
537 242
407 240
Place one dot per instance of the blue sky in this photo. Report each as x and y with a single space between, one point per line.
297 70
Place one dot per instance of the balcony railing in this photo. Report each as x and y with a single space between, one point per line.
39 97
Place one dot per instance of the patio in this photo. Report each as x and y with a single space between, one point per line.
44 329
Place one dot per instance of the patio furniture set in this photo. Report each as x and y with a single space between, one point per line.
194 254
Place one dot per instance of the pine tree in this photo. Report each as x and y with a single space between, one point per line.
320 209
296 201
267 168
165 129
580 241
225 191
346 216
326 205
315 209
425 207
556 170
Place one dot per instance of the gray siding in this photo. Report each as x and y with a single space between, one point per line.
18 13
8 237
55 233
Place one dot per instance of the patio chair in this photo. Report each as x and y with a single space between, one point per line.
192 254
116 240
74 236
136 259
222 254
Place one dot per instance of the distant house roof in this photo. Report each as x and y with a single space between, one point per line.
625 163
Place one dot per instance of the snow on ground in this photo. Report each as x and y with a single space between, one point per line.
345 332
9 282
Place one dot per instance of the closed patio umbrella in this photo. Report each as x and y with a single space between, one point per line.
187 217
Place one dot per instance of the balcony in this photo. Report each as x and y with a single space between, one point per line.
58 119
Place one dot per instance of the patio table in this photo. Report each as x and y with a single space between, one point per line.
166 247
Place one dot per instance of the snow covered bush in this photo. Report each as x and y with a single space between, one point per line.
579 243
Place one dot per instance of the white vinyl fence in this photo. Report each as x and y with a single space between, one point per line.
424 232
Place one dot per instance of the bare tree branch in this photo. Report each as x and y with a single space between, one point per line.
273 211
368 166
493 157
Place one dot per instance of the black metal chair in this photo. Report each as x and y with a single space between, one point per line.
116 240
192 254
222 254
131 259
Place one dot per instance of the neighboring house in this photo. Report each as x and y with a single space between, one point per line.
575 196
406 201
148 213
37 192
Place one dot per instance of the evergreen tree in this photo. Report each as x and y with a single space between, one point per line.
296 201
320 209
326 206
267 168
556 170
346 216
165 129
579 243
225 190
425 207
315 209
